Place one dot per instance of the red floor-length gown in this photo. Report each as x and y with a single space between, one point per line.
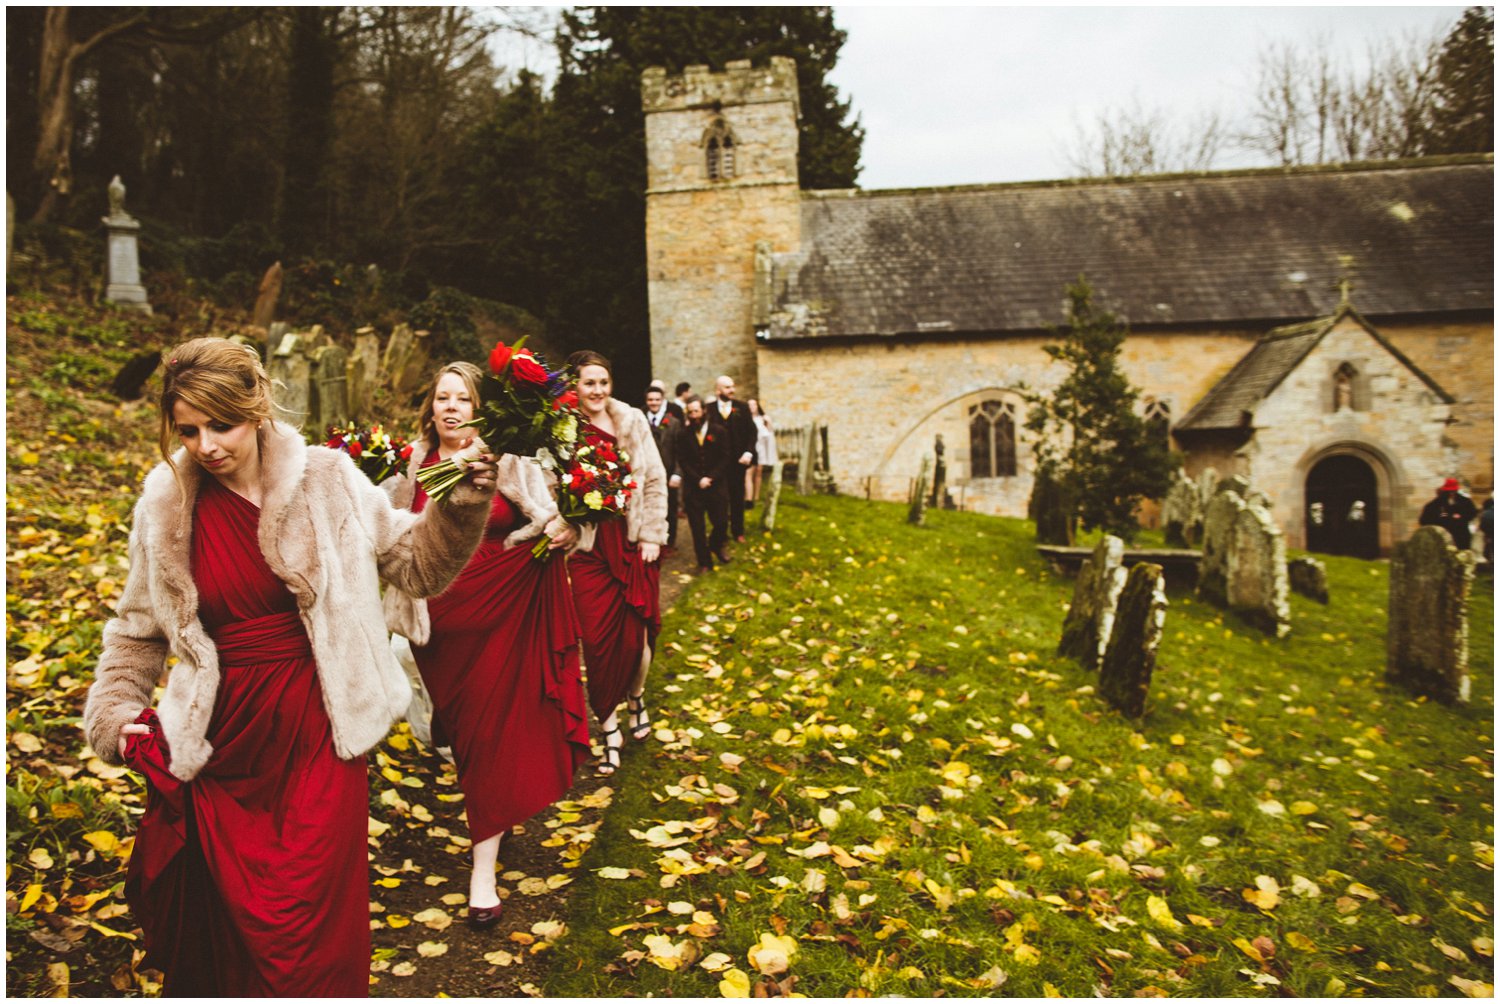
250 879
619 606
502 668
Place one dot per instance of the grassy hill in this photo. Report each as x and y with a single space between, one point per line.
869 758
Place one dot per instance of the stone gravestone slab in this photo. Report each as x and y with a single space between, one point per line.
916 512
1182 512
123 258
1219 518
364 370
291 381
396 351
413 375
274 335
1309 577
1091 616
265 301
772 494
1256 584
806 462
1130 658
1427 634
330 405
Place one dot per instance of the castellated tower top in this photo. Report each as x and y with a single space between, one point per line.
728 129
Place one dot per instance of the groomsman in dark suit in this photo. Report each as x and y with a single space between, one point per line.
671 404
702 464
742 435
664 426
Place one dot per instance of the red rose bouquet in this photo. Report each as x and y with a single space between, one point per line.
375 452
523 408
594 484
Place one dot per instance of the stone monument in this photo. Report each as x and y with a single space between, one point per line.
772 494
1244 558
1427 633
1091 616
290 372
916 512
1130 658
123 259
364 371
330 374
1309 577
1182 512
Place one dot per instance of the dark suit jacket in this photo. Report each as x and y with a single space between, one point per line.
676 409
742 430
665 435
712 459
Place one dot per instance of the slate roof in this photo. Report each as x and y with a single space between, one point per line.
1232 248
1232 401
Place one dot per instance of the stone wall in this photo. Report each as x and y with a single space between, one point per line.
701 234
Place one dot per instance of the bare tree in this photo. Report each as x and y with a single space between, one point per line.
1123 142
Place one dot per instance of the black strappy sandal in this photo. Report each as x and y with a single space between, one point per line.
640 719
611 761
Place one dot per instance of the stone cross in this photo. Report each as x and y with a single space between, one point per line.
123 260
1427 633
1130 658
1091 616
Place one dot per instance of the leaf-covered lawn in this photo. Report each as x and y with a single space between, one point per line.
872 776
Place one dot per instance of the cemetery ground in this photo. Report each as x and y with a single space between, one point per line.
870 775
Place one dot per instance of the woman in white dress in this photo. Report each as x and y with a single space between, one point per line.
765 449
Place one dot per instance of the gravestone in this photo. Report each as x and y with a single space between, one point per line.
772 494
1130 658
1182 512
290 371
412 373
397 348
916 512
1308 577
1051 510
1257 579
364 370
274 334
330 375
265 302
822 469
1427 633
1219 518
1085 632
123 262
807 463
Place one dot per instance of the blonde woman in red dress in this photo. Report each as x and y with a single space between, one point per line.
256 560
498 651
616 577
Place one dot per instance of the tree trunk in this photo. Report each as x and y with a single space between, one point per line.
52 159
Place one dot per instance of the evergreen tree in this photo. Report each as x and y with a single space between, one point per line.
1089 441
1463 119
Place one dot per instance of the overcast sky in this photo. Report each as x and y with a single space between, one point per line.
962 95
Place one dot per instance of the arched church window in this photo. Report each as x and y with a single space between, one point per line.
992 439
718 145
1343 388
1159 419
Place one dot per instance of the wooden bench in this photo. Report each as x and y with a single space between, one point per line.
1179 564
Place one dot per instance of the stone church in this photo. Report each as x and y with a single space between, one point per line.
1327 331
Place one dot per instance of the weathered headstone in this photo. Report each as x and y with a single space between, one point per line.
1182 512
274 334
1091 616
1051 510
412 365
265 301
364 370
123 260
772 494
916 512
1130 658
330 405
807 463
290 371
397 348
1427 633
1219 518
823 470
1257 579
1309 577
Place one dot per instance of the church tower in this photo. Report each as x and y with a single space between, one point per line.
721 191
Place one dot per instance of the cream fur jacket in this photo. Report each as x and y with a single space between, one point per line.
646 515
518 479
325 531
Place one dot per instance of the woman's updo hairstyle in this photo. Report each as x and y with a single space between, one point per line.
588 357
220 378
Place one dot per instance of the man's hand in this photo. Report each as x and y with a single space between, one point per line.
675 481
705 483
745 459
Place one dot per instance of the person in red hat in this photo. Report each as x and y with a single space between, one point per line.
1453 511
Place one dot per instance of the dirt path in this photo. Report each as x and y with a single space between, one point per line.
420 859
